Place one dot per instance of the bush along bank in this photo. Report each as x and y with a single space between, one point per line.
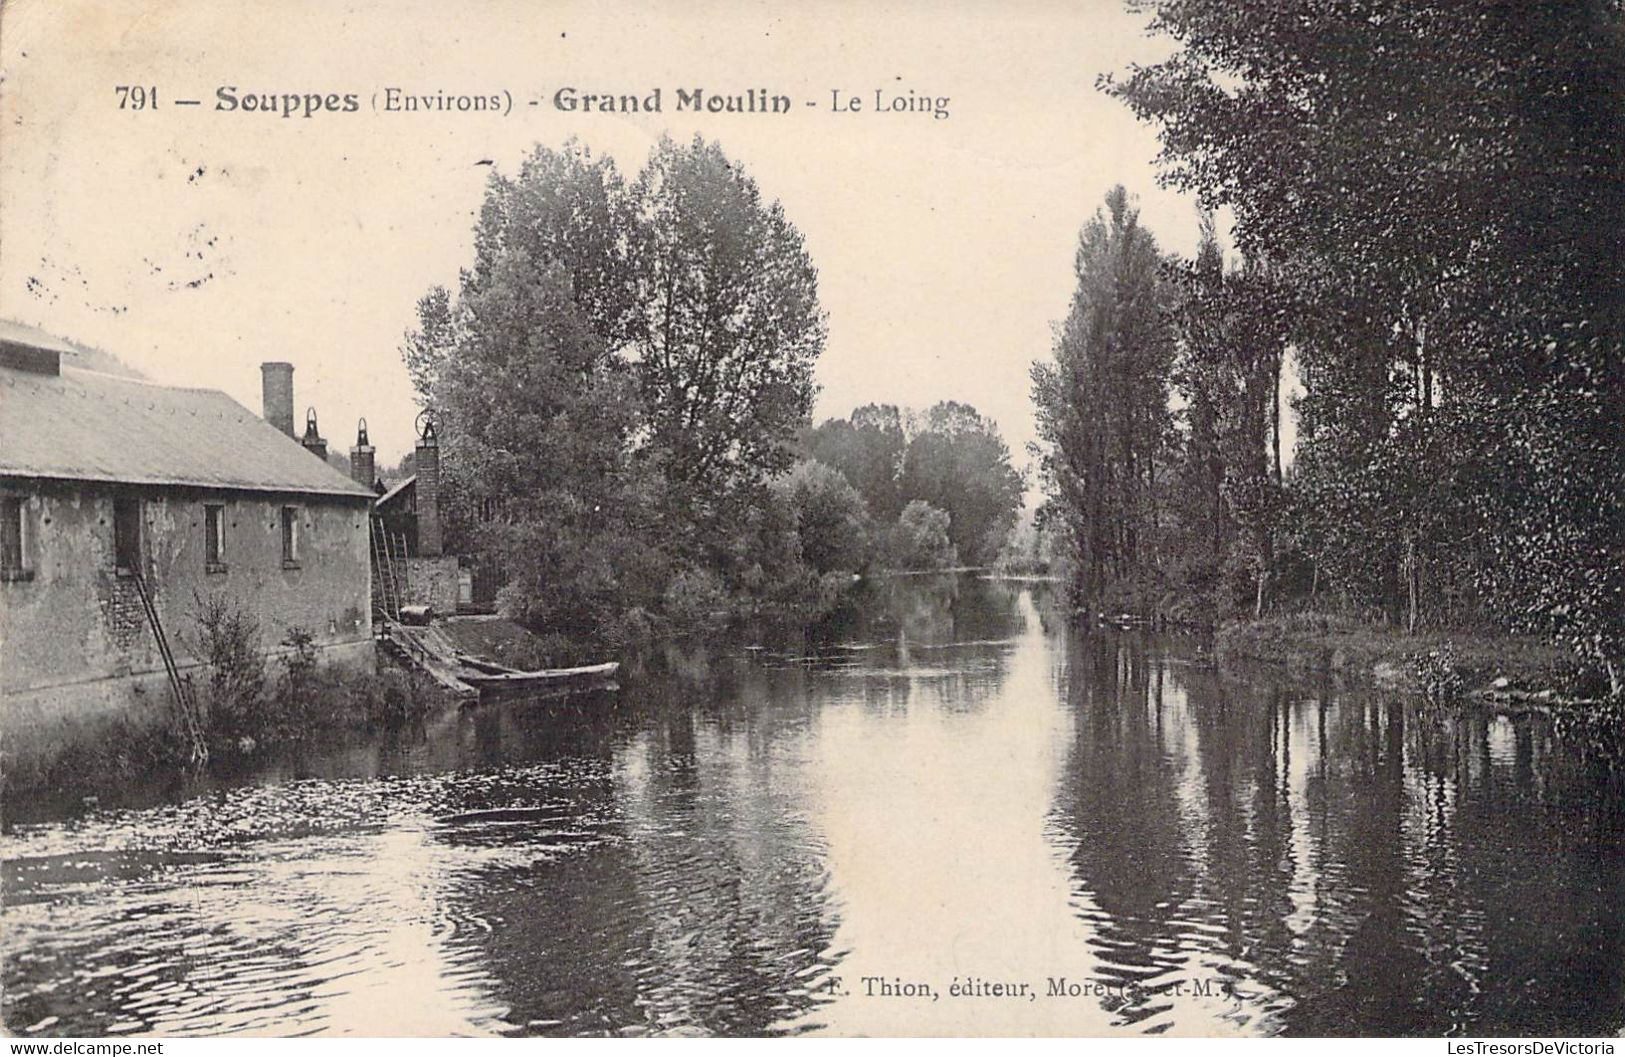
246 705
251 708
1443 666
126 750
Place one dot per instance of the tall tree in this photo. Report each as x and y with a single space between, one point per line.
1202 522
731 326
563 210
1446 181
957 463
868 448
1102 402
535 412
426 347
568 209
618 377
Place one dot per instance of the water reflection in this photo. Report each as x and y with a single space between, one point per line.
944 786
1344 863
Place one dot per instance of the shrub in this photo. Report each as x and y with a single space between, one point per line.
696 601
392 698
832 519
1438 675
294 706
920 539
226 637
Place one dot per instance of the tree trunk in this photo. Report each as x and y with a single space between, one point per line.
1413 586
1275 419
1156 514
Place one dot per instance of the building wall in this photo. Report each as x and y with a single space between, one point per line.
75 645
432 582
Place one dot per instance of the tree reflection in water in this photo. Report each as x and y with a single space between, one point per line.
942 783
1350 863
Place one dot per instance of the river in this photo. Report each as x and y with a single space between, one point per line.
957 816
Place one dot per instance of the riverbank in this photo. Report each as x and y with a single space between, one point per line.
285 709
1501 668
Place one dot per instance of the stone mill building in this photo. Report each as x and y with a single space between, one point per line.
123 503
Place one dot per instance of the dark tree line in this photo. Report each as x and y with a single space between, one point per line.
1429 214
946 471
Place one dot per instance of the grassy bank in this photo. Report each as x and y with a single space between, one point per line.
1454 663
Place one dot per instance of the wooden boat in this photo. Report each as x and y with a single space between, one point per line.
471 677
484 676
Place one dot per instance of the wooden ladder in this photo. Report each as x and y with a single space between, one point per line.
395 547
180 688
387 587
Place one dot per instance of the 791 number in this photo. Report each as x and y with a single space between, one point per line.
137 97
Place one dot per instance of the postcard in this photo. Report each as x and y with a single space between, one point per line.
544 518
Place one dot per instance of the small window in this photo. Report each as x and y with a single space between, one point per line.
11 538
214 537
127 534
290 537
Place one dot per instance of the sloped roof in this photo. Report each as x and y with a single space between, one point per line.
15 333
88 357
395 493
87 426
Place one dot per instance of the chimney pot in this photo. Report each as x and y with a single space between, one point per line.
363 458
312 439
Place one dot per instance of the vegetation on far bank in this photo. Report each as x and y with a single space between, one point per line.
1438 663
1435 278
622 385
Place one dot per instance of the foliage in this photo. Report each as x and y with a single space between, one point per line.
1444 266
729 332
1102 403
535 410
696 600
832 519
950 456
425 349
920 540
1026 551
617 381
868 449
226 637
247 713
956 462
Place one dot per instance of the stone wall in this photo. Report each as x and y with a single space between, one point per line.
432 582
75 645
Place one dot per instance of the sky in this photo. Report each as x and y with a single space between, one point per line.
195 243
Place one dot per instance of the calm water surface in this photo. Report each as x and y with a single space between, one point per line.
957 790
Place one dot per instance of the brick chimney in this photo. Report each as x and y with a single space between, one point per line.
312 440
428 493
363 458
277 387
